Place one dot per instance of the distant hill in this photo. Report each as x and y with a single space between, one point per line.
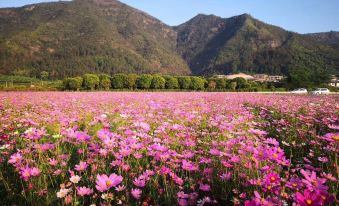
214 45
71 38
330 38
107 36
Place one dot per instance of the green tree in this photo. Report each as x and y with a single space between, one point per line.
130 81
233 86
144 81
197 83
241 83
91 81
300 77
44 75
184 82
118 81
171 82
221 83
105 81
158 82
75 83
65 83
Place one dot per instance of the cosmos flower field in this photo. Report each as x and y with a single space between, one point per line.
168 149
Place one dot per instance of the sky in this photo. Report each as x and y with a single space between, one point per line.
303 16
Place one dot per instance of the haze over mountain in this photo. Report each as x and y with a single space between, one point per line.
107 36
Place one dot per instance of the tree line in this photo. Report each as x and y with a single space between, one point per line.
162 82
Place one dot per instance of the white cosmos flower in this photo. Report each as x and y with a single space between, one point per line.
62 193
5 146
75 179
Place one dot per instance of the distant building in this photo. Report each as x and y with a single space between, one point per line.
255 77
261 77
267 78
334 82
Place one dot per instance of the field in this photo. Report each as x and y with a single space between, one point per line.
168 149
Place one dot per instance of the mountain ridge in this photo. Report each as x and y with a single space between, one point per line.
69 38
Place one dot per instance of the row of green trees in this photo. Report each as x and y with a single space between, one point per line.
159 82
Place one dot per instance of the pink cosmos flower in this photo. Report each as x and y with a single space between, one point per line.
309 198
120 188
35 172
84 191
15 158
82 166
139 182
104 183
53 162
226 176
136 193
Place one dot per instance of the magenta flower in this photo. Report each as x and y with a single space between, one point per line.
136 193
226 176
294 183
82 136
104 183
205 187
272 179
84 191
34 133
182 195
309 198
189 166
25 173
312 182
276 154
182 202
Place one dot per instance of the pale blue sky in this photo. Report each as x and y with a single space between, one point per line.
303 16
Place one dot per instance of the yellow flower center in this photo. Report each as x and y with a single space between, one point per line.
275 155
272 179
336 138
294 184
108 183
309 202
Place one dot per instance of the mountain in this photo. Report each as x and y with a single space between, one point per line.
330 38
72 38
214 45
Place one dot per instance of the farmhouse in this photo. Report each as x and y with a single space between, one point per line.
334 82
267 78
255 77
